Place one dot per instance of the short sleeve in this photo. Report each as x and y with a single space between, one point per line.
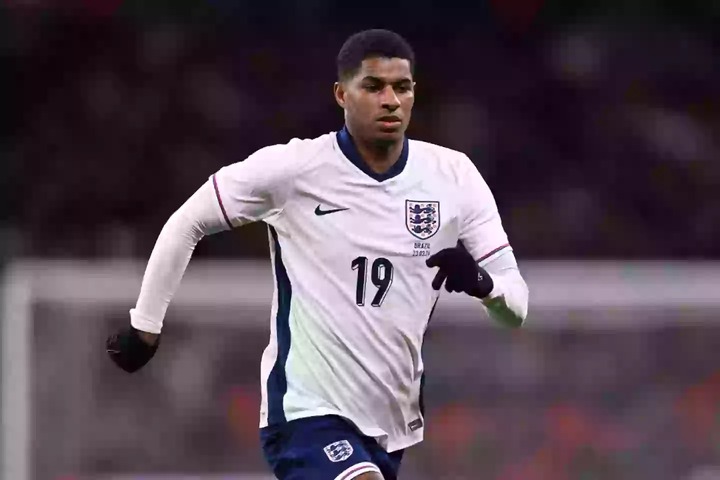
255 188
481 229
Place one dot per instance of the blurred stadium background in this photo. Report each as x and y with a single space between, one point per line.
596 123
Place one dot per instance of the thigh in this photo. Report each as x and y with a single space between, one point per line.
388 463
317 448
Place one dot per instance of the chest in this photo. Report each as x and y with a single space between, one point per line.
412 217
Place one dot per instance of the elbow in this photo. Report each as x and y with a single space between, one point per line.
519 311
510 307
523 310
516 321
508 315
522 315
181 224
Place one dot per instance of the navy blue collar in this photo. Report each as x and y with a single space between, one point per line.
347 145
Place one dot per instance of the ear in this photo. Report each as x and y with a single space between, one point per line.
339 91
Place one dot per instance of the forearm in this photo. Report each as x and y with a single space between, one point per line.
170 257
165 269
508 301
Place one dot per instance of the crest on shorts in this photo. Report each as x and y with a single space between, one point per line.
422 219
338 451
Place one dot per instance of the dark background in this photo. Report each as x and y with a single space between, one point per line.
594 122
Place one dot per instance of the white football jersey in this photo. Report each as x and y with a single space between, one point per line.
353 295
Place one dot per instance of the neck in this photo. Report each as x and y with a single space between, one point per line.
379 156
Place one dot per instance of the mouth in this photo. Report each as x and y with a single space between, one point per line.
390 121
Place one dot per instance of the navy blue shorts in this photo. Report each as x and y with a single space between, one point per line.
325 448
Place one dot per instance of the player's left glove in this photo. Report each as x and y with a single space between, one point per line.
128 350
460 273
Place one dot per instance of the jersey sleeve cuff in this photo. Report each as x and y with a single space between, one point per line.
143 323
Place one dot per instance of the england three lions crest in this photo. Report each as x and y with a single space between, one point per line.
422 219
339 451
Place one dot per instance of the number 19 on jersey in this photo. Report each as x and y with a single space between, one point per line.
381 275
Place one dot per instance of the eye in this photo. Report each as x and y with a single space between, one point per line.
372 87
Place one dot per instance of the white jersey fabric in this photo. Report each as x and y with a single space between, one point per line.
353 294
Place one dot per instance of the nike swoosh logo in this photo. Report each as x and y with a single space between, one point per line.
319 212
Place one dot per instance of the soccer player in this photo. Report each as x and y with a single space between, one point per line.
365 226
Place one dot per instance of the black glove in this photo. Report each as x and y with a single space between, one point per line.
460 273
129 351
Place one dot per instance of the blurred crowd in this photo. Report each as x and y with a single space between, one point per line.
598 138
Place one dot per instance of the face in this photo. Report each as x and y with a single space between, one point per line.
378 100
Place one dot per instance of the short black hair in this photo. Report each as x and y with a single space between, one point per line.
372 43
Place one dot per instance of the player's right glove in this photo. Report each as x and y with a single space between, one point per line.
129 351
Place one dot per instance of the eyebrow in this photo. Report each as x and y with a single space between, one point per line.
380 80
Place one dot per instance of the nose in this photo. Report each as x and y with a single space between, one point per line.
390 100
